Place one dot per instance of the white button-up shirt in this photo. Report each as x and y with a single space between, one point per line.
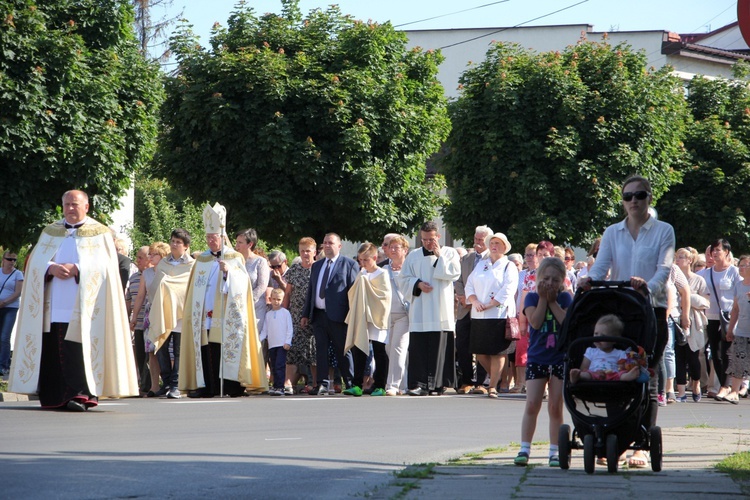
649 256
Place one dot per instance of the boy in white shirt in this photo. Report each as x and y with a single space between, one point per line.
278 329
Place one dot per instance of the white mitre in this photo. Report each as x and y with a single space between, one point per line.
214 219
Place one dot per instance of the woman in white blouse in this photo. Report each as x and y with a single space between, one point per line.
490 289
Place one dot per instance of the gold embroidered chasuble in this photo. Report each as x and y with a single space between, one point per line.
99 321
235 322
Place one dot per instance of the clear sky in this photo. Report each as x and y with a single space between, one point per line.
681 16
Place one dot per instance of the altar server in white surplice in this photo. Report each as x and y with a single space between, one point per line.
426 281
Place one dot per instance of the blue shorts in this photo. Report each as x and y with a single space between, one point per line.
538 370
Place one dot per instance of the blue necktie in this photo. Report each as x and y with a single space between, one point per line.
322 293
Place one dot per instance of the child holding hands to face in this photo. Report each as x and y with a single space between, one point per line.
545 310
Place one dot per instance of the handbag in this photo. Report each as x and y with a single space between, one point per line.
723 315
512 330
680 338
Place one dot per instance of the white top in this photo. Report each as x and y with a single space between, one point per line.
8 283
433 311
604 361
497 281
724 282
277 328
63 293
321 303
649 256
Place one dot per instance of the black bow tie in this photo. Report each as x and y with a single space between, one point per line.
72 226
216 254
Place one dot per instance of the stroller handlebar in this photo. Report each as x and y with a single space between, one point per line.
610 284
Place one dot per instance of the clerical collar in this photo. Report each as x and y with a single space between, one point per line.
72 226
426 252
216 254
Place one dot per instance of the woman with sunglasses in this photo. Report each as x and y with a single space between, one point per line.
11 280
639 249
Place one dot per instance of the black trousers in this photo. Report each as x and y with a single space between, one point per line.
432 363
141 361
380 354
61 372
211 358
687 362
326 331
719 350
464 357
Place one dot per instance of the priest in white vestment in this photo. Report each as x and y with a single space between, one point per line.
73 338
426 281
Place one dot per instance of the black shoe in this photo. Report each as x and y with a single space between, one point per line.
161 392
200 393
74 405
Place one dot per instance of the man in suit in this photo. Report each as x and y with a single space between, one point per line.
463 322
326 308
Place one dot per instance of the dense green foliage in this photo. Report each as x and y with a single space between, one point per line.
712 200
78 108
541 142
301 126
159 209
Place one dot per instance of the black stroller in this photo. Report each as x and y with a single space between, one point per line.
608 416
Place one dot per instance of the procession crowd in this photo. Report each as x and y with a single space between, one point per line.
394 321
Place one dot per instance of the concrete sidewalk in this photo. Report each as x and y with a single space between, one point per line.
688 472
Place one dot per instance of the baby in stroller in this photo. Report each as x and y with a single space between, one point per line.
605 361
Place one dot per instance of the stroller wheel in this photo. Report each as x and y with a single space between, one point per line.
655 447
588 453
563 442
613 456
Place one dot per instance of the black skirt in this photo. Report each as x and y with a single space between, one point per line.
488 336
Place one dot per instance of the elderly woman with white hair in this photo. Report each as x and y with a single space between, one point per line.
491 290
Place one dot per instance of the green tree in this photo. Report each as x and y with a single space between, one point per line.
79 108
712 200
159 209
299 126
541 142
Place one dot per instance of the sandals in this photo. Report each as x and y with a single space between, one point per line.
521 459
637 462
734 399
492 393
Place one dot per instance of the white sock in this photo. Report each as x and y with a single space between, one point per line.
553 450
526 446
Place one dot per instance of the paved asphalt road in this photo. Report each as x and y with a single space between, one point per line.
263 447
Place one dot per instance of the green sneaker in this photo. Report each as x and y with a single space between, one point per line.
554 461
378 392
353 391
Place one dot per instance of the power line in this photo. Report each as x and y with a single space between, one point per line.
512 27
451 13
717 15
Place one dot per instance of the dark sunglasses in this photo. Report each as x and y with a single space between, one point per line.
277 266
9 259
568 259
639 195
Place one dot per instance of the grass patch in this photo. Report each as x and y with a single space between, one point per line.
419 471
3 386
704 425
736 465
